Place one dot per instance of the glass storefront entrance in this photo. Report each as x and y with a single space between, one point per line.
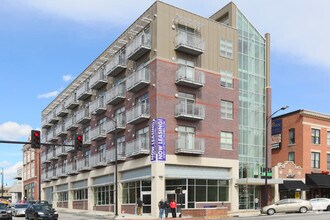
249 197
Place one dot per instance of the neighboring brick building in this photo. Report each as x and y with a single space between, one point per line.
303 137
182 89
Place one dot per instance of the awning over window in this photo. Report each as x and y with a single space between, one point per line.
296 185
318 180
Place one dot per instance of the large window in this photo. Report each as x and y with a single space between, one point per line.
62 196
292 134
315 160
227 79
226 48
291 156
186 137
226 140
226 109
315 136
328 138
80 194
131 191
103 195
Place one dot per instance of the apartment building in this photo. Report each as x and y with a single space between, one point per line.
30 173
303 137
182 98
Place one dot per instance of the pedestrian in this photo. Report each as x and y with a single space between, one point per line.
256 202
139 205
161 206
173 208
167 207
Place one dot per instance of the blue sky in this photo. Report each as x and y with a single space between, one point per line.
44 44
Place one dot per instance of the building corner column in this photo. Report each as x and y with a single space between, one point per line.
157 186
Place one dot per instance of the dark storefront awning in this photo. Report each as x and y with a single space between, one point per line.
293 185
318 180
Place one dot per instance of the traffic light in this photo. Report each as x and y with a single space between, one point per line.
35 139
78 142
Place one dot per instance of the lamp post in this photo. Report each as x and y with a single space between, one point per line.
266 152
116 165
1 183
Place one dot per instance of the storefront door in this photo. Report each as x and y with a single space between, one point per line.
146 198
181 199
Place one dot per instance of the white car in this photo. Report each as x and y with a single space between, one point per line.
320 204
287 205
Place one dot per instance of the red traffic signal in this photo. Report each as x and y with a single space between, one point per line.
35 139
78 142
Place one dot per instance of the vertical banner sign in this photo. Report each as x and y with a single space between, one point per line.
161 139
153 141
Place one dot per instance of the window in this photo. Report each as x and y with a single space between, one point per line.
62 196
328 161
315 136
315 160
101 153
103 195
186 103
144 102
291 156
226 48
292 136
226 140
86 134
142 136
87 154
80 194
227 79
328 138
121 145
186 137
226 109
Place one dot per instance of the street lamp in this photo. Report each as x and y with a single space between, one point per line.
266 152
1 183
116 165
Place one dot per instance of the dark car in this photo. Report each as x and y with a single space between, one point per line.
5 212
40 211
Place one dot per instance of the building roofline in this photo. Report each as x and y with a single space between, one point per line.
305 113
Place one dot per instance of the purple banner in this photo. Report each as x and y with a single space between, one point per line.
153 152
161 139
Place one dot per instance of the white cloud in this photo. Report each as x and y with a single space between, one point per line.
10 171
14 131
67 78
48 95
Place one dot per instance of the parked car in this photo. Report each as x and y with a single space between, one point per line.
40 211
5 212
287 205
18 209
320 204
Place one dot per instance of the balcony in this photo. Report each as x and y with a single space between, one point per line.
61 111
116 94
61 171
69 148
190 111
189 43
62 150
51 155
98 106
139 146
190 146
53 118
99 132
83 116
54 175
138 80
140 45
84 164
70 123
60 130
99 79
45 122
71 102
121 124
138 113
51 135
72 168
46 176
99 159
44 158
190 77
117 64
120 154
84 91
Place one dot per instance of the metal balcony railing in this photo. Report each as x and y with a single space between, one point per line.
190 146
139 45
98 106
99 132
71 123
138 80
121 124
117 64
120 154
83 116
71 102
61 110
99 159
138 113
72 168
99 79
116 94
137 147
84 91
84 164
190 111
60 130
189 76
189 43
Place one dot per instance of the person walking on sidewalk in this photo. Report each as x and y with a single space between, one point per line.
167 207
139 205
161 206
173 208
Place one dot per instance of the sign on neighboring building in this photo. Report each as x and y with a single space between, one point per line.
158 140
276 133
